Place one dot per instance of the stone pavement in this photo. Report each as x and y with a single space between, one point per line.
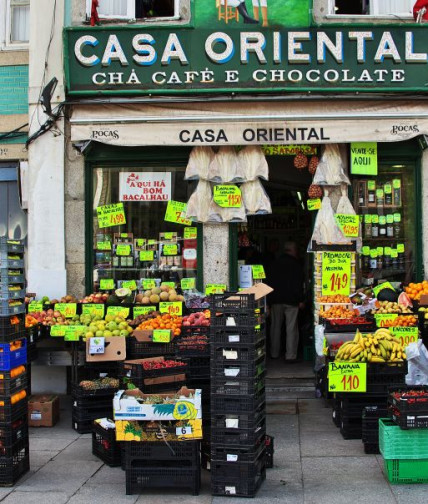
312 465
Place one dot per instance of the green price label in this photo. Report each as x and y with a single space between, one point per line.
118 311
140 242
123 250
143 310
382 286
348 224
258 271
389 219
396 183
371 185
313 204
368 218
379 193
161 336
379 251
364 158
146 255
375 219
111 215
152 242
385 319
227 196
176 212
365 250
171 285
215 289
400 248
58 331
73 333
148 283
188 283
387 251
173 308
347 377
336 273
397 217
394 253
170 249
190 233
106 245
35 307
387 188
93 309
407 335
373 253
382 220
129 284
68 310
124 235
168 236
107 284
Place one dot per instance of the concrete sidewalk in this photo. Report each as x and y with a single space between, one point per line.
312 465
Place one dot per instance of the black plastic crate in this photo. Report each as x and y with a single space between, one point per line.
223 470
409 411
13 468
236 486
105 446
370 423
82 408
254 321
371 448
161 388
7 309
238 333
336 412
140 477
198 367
240 437
352 407
269 449
222 354
94 370
8 385
234 302
83 418
15 431
150 451
238 420
237 386
32 352
12 327
351 428
232 404
193 343
136 370
9 413
140 350
236 453
239 368
78 392
82 426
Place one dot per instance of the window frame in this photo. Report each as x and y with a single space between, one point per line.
6 30
375 3
130 16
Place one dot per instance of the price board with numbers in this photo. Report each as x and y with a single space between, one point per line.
161 336
111 215
35 307
58 331
67 310
143 310
407 335
93 309
173 308
348 224
118 311
129 284
190 233
215 289
258 271
123 250
148 283
107 284
347 377
385 319
147 255
170 249
336 273
176 212
188 283
313 204
74 333
104 245
227 196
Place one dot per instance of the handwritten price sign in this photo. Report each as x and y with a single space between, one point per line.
347 377
190 233
143 310
93 309
123 250
161 336
129 284
348 224
73 333
68 310
173 308
258 271
176 212
58 331
146 255
188 283
336 273
105 245
118 311
148 284
170 249
35 307
385 319
227 196
111 215
215 289
106 284
406 334
313 204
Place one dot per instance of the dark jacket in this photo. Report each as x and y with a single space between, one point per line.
285 276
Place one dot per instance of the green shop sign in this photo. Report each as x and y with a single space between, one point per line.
245 58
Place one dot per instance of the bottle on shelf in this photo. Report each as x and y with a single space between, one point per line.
397 225
367 226
375 226
371 192
390 226
382 226
396 185
387 189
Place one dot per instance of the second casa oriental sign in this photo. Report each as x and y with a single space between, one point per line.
187 60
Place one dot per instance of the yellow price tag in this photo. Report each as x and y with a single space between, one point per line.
111 215
73 333
143 310
58 331
68 310
168 236
93 309
347 377
336 273
140 242
170 249
313 204
129 284
148 283
188 283
258 271
106 245
173 308
190 233
123 250
215 289
118 311
348 224
406 334
161 336
227 196
146 255
107 284
35 307
176 212
383 319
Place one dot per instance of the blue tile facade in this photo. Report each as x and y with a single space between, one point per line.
14 89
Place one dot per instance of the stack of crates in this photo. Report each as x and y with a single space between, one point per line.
14 448
370 430
238 400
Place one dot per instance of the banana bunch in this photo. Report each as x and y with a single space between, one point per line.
381 346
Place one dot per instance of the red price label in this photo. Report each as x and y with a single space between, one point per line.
350 230
172 308
234 200
117 219
350 383
338 282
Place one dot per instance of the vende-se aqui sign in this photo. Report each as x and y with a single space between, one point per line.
140 60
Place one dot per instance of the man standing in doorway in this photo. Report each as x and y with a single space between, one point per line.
285 276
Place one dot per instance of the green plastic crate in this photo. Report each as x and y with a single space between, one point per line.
407 471
395 443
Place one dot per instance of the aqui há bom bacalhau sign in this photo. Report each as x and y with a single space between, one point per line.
142 60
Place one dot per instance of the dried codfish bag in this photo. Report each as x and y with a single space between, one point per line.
224 166
252 163
214 213
326 230
233 214
255 199
331 168
199 163
199 202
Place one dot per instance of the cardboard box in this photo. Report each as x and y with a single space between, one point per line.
127 406
181 430
115 350
146 336
259 290
43 410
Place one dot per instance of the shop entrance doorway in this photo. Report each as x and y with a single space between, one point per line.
262 240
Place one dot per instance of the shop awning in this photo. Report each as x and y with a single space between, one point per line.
240 123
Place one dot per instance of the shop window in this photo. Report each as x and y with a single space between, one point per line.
147 247
17 27
145 10
397 8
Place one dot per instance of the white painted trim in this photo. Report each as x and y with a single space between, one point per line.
130 15
374 7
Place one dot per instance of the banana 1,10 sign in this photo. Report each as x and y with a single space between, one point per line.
336 273
347 377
